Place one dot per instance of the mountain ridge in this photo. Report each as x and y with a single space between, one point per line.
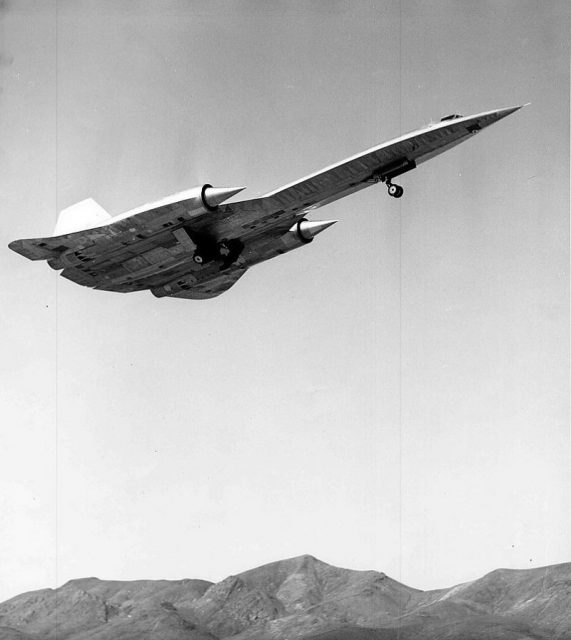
300 598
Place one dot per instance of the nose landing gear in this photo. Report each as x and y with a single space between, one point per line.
394 190
387 173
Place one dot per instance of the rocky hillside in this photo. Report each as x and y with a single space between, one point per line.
297 599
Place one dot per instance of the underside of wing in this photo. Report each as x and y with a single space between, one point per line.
145 229
39 248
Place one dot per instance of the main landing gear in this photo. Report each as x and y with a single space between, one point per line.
394 190
226 252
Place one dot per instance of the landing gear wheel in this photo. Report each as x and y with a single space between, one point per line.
394 190
198 258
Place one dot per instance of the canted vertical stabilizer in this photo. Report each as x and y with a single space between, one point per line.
83 215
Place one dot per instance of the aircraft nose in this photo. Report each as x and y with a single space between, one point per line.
482 120
502 113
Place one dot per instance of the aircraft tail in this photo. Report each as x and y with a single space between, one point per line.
86 214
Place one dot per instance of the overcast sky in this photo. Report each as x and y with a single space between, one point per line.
393 397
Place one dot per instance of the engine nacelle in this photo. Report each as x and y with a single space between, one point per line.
211 196
196 200
303 232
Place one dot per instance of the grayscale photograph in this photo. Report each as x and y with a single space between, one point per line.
286 320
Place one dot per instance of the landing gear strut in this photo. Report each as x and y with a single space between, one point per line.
394 190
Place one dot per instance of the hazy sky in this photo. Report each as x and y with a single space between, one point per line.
393 397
